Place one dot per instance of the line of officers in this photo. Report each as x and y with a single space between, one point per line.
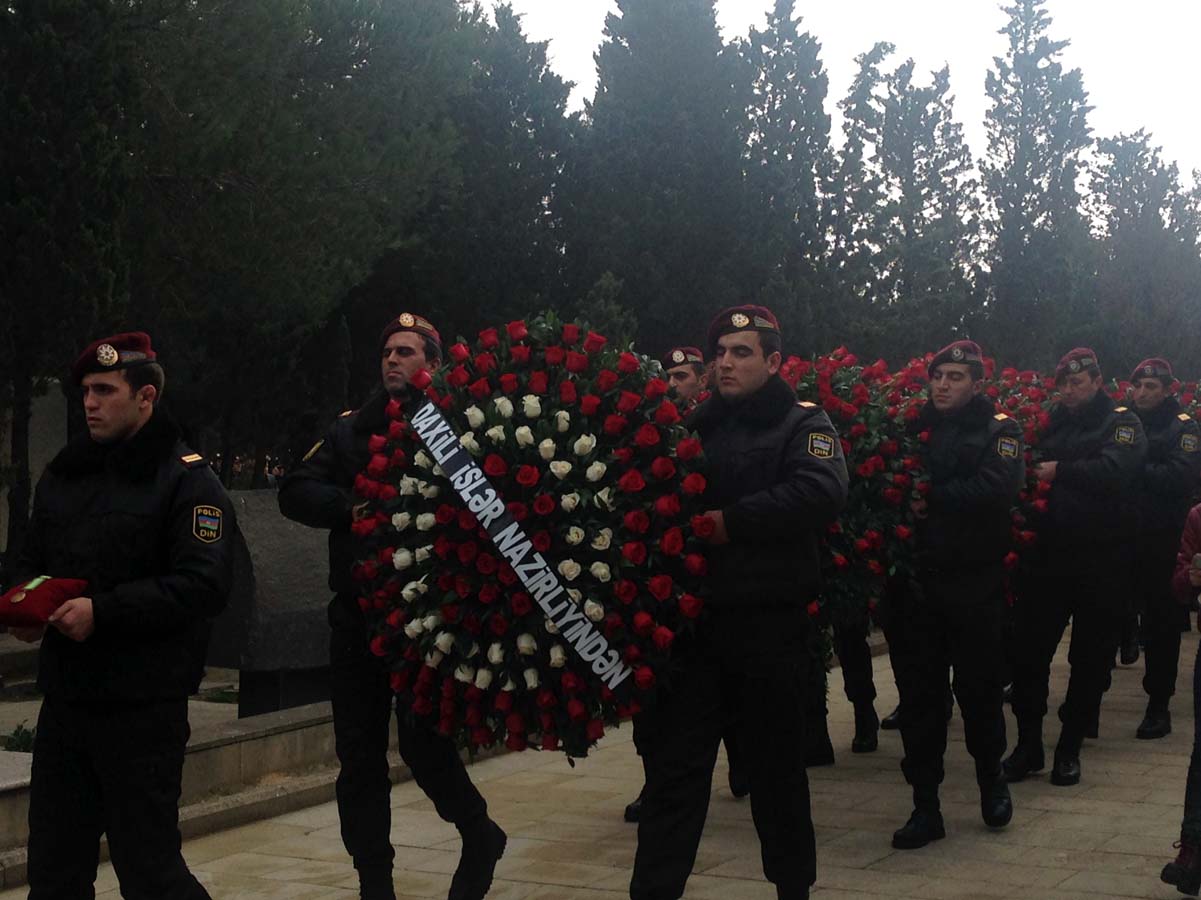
136 513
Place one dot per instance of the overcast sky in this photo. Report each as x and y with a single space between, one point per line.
1140 59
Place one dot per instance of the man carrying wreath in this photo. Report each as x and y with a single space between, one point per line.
318 493
776 479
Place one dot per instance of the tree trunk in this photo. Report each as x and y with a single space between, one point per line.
19 488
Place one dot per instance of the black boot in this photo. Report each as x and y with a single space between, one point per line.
867 726
483 846
818 750
1128 654
1066 770
634 810
892 721
996 804
1157 723
740 784
792 892
925 822
1027 757
375 883
1184 872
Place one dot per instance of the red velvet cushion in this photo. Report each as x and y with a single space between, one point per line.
32 603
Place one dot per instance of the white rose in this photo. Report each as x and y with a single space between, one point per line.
411 591
547 449
504 406
575 535
575 596
402 559
408 486
423 553
531 678
526 645
560 469
569 501
439 471
570 569
433 658
465 674
483 678
525 437
600 571
596 471
496 434
468 442
551 627
422 460
474 650
444 641
531 406
594 610
558 658
429 491
604 499
426 521
401 521
603 539
413 629
562 420
508 685
432 621
496 654
584 444
475 416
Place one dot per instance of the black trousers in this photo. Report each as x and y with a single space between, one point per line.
1163 615
943 621
754 662
114 769
855 660
1091 596
364 706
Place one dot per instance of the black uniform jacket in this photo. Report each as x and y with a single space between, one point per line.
151 529
319 491
976 464
1170 474
1100 450
775 469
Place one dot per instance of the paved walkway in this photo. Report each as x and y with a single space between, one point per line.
1108 837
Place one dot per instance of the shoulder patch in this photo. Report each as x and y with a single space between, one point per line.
345 413
805 404
192 460
1001 417
1008 447
206 524
1184 417
1189 442
312 451
1124 434
1121 409
821 445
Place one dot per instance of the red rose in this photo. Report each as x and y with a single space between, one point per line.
378 465
443 547
394 409
571 682
480 389
555 355
528 476
628 401
489 593
538 383
644 677
498 624
520 603
667 414
550 741
634 552
632 654
660 586
496 467
571 333
695 564
667 506
379 645
624 455
892 495
636 521
655 388
813 609
840 561
643 624
517 331
567 392
520 353
485 363
486 564
421 379
489 338
376 443
458 377
451 612
474 716
647 436
467 520
672 542
577 363
509 383
422 706
627 363
387 492
702 526
467 552
547 699
463 586
1011 560
506 575
471 622
606 380
663 636
594 342
396 430
693 484
541 541
613 426
589 404
576 710
460 352
625 591
515 742
688 448
518 511
544 504
503 702
445 514
663 468
691 606
631 482
904 532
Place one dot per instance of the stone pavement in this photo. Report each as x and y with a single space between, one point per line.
1107 837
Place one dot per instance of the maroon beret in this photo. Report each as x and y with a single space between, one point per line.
742 318
679 356
1155 367
964 352
1075 361
410 322
119 351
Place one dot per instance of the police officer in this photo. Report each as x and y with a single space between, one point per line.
776 479
951 616
142 519
319 493
1169 479
1092 456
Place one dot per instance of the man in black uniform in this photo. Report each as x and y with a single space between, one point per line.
1170 476
1092 458
951 616
319 493
776 479
131 510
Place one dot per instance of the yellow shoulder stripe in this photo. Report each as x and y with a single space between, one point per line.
806 404
1184 417
1001 417
1120 409
343 415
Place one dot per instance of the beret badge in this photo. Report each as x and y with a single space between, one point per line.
107 355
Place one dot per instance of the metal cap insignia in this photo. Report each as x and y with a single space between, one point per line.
740 320
407 320
18 597
678 356
1148 370
1074 365
107 355
957 354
